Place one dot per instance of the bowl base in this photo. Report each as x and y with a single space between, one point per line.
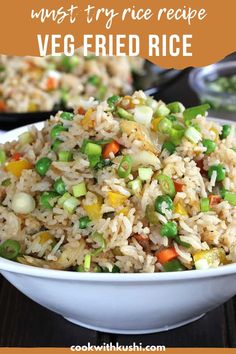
135 331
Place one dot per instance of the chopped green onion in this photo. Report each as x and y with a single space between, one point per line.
42 166
56 130
164 126
167 185
59 186
223 190
25 138
175 107
210 145
162 110
94 80
101 93
79 190
173 266
102 163
65 156
48 199
176 134
143 115
70 205
163 202
80 268
55 144
98 237
83 222
125 166
220 172
67 116
169 230
87 262
204 205
9 249
6 182
193 135
135 186
112 101
145 173
93 149
69 63
115 269
3 157
172 118
62 200
193 112
169 146
226 129
181 243
151 215
122 113
230 197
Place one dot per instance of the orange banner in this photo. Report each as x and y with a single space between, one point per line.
174 33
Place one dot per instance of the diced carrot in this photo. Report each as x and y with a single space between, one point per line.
143 240
214 199
17 167
52 83
16 156
81 111
166 255
113 147
3 106
178 186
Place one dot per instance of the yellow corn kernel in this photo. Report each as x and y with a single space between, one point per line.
180 209
215 131
16 167
32 107
213 256
115 199
125 211
155 123
87 122
93 211
44 237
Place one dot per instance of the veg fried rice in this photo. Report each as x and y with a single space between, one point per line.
126 185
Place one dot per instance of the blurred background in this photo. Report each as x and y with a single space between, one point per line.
33 88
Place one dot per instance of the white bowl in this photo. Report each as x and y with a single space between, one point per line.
123 303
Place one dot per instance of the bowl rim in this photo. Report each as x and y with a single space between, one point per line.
14 267
7 266
199 86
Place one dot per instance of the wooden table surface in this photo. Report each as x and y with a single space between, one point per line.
27 324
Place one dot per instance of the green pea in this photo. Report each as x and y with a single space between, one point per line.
43 165
9 249
210 145
169 146
169 230
161 201
220 172
173 266
226 129
56 130
48 200
112 101
55 145
67 116
83 222
59 186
